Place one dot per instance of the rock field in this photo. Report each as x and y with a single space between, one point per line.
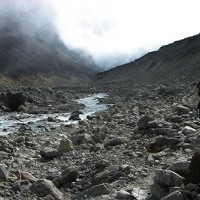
146 146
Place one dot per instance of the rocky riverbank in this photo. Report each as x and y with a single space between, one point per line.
140 148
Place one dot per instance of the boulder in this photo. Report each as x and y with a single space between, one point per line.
69 175
192 187
193 175
21 185
122 194
75 115
95 191
3 173
28 176
44 187
143 121
188 130
66 145
158 190
176 195
116 141
180 167
49 153
164 140
14 100
168 178
182 109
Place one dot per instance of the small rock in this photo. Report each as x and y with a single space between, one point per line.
176 119
44 187
75 115
116 141
69 175
168 177
188 130
3 173
28 176
95 191
164 140
21 185
122 194
142 123
49 197
49 153
176 195
66 145
182 109
192 187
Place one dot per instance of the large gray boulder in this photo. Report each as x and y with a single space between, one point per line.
95 191
168 177
44 187
176 195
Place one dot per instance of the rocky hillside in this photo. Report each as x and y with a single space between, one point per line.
29 43
177 60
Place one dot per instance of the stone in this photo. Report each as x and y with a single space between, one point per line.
168 177
152 124
164 140
193 175
69 175
192 187
44 187
5 146
66 145
165 91
182 109
3 173
157 190
14 100
49 197
78 139
176 195
75 115
122 194
21 185
180 167
28 176
116 141
95 191
143 121
188 130
49 153
176 119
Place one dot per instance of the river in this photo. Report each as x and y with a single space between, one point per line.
11 122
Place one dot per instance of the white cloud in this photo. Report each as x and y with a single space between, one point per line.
120 27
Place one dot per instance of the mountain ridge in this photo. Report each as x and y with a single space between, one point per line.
180 58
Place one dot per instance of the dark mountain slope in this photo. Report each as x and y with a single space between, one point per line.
173 61
29 43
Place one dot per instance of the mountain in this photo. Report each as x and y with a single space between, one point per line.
29 43
180 59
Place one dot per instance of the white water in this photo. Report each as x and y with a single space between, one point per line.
10 123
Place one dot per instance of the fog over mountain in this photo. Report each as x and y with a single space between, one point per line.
29 42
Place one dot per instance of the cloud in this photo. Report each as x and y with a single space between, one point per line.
120 27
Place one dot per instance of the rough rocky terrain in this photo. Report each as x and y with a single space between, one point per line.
140 148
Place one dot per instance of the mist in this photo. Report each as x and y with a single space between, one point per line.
89 35
124 29
31 43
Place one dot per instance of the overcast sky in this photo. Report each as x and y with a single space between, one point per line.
115 31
